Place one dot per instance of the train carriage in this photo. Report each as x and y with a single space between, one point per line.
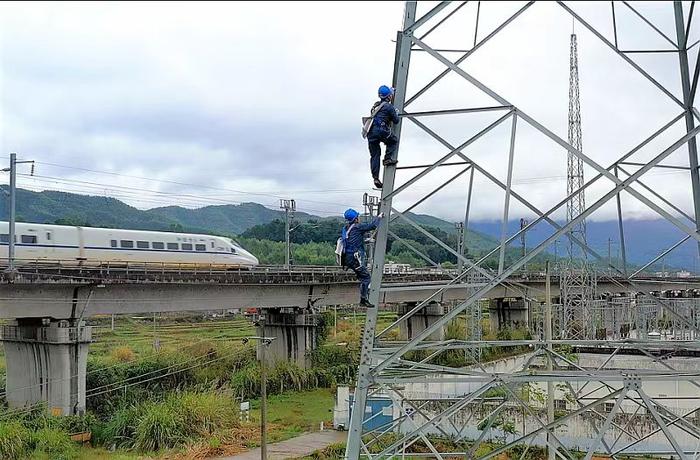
68 245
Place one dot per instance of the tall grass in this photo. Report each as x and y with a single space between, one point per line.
159 426
120 429
332 452
54 443
204 413
165 424
284 376
14 440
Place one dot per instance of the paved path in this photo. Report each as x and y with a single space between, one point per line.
296 447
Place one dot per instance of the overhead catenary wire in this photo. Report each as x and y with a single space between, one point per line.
137 194
105 368
159 197
18 411
93 392
276 195
270 193
200 200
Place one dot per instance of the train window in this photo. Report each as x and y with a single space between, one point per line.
186 246
233 250
29 239
212 245
113 243
173 246
158 245
48 236
127 243
142 244
4 238
200 247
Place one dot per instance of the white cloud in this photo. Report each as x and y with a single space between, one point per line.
266 98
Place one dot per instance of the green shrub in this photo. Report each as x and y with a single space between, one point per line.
246 381
14 440
123 354
285 376
54 443
160 426
332 452
165 424
74 423
121 428
204 413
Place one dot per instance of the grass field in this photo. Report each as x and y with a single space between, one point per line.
289 415
133 342
294 413
140 345
141 334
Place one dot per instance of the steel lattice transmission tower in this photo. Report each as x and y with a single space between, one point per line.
578 281
574 164
446 401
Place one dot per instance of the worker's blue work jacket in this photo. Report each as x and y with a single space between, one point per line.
354 241
383 120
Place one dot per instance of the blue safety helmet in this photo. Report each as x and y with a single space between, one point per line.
351 214
385 91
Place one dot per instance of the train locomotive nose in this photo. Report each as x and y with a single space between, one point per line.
249 258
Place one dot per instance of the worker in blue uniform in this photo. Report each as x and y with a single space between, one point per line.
353 257
385 116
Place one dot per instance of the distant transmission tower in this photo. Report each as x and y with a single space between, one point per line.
577 279
574 164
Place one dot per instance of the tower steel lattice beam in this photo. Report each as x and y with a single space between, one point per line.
445 398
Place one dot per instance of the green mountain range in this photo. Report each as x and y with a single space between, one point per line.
256 222
99 211
259 228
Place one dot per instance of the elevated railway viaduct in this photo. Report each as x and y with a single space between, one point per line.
46 342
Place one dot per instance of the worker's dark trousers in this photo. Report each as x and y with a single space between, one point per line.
375 151
362 274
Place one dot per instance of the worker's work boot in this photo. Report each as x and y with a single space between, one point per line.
378 183
365 303
389 161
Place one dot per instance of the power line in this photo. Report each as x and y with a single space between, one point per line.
197 199
18 411
116 365
166 181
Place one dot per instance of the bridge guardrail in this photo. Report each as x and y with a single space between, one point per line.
108 267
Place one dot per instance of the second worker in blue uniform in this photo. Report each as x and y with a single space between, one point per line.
353 236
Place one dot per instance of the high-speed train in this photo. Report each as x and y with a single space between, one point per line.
95 246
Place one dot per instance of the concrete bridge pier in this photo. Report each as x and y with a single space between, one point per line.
295 332
46 361
421 320
508 313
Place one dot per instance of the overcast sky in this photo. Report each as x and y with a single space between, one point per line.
213 103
